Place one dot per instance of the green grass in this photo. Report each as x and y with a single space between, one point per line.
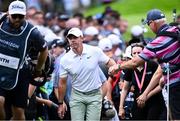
135 10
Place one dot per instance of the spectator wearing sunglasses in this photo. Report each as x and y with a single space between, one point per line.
17 36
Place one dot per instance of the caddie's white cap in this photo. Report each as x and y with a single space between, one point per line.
76 32
17 7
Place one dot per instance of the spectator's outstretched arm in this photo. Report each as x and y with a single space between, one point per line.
110 63
131 64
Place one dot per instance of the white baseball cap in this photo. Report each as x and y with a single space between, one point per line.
76 32
91 30
115 40
128 52
105 44
50 37
17 7
136 30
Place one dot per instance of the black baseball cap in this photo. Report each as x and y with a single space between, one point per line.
58 43
154 14
49 16
63 17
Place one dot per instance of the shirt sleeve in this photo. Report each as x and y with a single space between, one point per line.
151 50
102 58
102 76
53 78
56 74
62 71
127 75
37 40
147 54
153 65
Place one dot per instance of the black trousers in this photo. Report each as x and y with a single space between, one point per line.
174 101
152 111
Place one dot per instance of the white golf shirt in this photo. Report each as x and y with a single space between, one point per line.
84 68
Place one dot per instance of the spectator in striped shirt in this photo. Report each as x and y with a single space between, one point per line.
166 49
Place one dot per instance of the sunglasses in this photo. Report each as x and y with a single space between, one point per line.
149 23
15 16
137 45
